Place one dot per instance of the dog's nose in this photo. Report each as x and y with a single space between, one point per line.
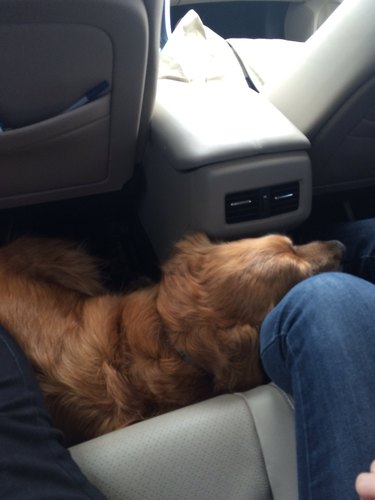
338 247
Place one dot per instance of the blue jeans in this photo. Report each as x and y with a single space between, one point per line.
34 464
319 345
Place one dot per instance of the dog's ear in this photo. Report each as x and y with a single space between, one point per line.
179 299
187 256
192 243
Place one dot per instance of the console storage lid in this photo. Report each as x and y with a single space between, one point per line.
200 124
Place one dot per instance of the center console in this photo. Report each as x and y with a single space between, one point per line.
221 159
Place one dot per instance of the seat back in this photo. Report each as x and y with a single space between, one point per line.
329 94
236 447
303 18
51 54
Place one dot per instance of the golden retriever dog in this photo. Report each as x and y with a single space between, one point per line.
104 361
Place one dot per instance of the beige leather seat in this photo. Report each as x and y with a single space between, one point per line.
51 54
232 447
327 89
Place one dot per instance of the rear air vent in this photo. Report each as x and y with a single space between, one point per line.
242 206
284 198
261 203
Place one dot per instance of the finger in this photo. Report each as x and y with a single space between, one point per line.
365 486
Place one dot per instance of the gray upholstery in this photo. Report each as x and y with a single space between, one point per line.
51 53
328 92
238 446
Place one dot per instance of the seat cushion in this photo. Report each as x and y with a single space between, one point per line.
236 446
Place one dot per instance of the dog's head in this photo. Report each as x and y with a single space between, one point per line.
213 297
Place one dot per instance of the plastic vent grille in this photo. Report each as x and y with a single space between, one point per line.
261 203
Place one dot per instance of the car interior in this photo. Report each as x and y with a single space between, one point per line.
235 118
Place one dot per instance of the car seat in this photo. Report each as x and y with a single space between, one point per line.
235 446
326 87
53 55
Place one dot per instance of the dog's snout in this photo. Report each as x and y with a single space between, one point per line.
324 256
338 247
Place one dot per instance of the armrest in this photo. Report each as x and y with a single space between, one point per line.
199 125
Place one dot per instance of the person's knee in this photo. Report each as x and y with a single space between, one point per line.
323 300
326 290
310 322
329 302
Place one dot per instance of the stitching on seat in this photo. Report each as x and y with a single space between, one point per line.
268 464
288 398
244 400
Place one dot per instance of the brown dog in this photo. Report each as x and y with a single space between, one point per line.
105 361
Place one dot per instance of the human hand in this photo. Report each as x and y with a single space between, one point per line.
365 484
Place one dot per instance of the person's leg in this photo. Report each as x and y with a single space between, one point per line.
33 462
319 345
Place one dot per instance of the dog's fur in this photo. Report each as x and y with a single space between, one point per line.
105 361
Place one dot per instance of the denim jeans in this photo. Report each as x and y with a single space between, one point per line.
319 345
34 464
